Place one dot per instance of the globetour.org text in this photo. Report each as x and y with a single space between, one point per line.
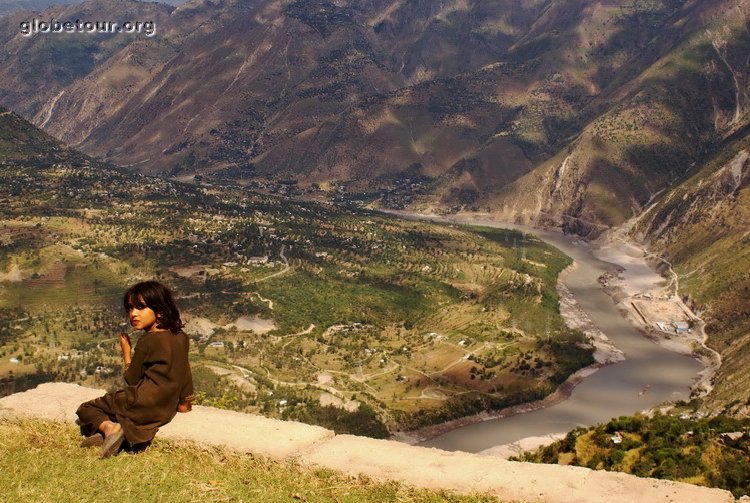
34 26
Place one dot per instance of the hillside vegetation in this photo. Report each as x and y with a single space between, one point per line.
688 449
702 227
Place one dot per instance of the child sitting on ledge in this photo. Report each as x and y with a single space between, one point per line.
158 376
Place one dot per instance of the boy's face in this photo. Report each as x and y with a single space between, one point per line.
141 316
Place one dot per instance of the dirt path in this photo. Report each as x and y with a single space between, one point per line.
279 273
705 385
262 299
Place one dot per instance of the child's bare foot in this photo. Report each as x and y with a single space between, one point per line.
113 439
109 427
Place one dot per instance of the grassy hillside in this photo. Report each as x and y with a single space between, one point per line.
687 449
21 142
47 465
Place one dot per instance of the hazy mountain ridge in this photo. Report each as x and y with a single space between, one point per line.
10 6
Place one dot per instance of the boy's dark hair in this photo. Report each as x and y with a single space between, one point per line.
156 296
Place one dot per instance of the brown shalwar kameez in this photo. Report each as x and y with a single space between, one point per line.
158 378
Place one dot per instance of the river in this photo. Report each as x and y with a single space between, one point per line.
649 375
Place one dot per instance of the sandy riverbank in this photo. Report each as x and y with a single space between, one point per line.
576 318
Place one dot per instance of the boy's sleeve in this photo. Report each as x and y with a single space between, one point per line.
187 394
137 369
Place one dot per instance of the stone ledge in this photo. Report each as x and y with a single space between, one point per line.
53 401
245 432
380 459
458 471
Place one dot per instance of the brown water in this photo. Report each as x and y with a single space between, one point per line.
649 375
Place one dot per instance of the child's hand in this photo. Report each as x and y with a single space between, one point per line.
184 407
125 343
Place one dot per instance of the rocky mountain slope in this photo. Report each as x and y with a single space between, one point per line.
702 227
601 105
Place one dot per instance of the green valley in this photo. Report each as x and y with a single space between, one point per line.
346 318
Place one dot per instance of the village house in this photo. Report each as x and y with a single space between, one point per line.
681 327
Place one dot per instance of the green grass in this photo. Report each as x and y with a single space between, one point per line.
47 465
327 300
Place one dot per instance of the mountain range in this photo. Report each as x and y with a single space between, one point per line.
599 104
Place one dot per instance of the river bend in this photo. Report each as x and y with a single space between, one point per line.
648 376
